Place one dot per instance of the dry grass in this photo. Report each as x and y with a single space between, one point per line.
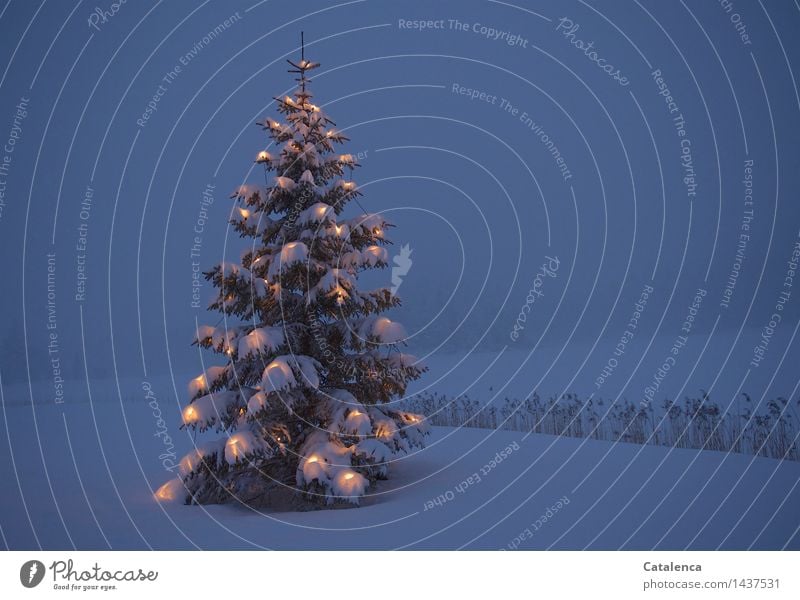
768 430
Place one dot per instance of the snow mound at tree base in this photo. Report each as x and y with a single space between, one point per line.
261 494
272 491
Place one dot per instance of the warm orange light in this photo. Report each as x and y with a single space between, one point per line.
244 212
340 294
312 459
339 229
166 492
189 414
233 447
348 476
355 413
348 185
262 157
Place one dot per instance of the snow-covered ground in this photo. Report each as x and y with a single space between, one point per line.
82 475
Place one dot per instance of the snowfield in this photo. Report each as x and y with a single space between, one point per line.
470 488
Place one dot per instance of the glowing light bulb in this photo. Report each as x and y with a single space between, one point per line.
348 476
263 156
189 414
166 491
340 294
339 229
355 413
232 444
244 212
312 459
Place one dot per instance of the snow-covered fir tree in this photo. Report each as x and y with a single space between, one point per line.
303 399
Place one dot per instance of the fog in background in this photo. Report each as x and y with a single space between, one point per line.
471 180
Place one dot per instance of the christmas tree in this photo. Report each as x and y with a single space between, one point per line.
311 365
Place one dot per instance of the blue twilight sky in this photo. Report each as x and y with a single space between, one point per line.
475 185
